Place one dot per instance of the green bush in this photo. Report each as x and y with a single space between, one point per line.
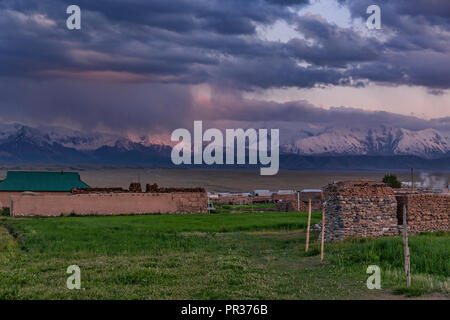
392 181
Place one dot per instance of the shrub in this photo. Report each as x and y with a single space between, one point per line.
392 181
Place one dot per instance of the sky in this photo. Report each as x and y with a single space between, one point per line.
151 66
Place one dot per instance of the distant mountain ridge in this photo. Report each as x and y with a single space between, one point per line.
328 149
382 141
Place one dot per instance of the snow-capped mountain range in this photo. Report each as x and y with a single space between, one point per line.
21 143
428 143
70 138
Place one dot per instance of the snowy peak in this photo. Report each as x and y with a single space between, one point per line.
428 143
56 135
385 141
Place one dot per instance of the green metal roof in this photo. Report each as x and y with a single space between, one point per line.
41 181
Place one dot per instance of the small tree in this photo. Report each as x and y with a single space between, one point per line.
391 180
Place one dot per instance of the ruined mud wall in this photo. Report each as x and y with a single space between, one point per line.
425 212
109 204
291 206
359 209
232 200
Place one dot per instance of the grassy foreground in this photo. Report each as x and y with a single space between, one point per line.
219 256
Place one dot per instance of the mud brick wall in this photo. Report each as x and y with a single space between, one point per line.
109 204
5 196
425 212
234 200
291 206
190 202
316 199
359 209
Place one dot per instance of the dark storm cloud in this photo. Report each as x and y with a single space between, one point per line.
133 61
334 46
145 108
275 72
183 41
418 49
115 106
434 11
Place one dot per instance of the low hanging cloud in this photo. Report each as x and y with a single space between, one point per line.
160 108
236 108
117 107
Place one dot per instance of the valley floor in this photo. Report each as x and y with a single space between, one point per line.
220 256
234 180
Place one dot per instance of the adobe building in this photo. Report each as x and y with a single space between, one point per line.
315 195
230 198
41 182
284 195
291 206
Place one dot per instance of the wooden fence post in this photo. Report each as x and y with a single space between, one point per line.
309 224
298 201
406 249
323 234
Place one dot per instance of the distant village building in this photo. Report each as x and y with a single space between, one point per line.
261 196
42 182
283 192
261 193
417 184
230 198
284 195
213 195
315 195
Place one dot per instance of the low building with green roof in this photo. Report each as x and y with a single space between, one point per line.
17 182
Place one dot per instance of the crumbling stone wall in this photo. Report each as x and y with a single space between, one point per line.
97 190
359 209
153 188
135 187
425 212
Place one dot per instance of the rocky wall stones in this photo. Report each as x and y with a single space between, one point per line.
359 209
426 212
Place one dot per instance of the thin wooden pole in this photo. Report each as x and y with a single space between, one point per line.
406 249
323 234
298 201
309 224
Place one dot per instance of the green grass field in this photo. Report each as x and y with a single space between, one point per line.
218 256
